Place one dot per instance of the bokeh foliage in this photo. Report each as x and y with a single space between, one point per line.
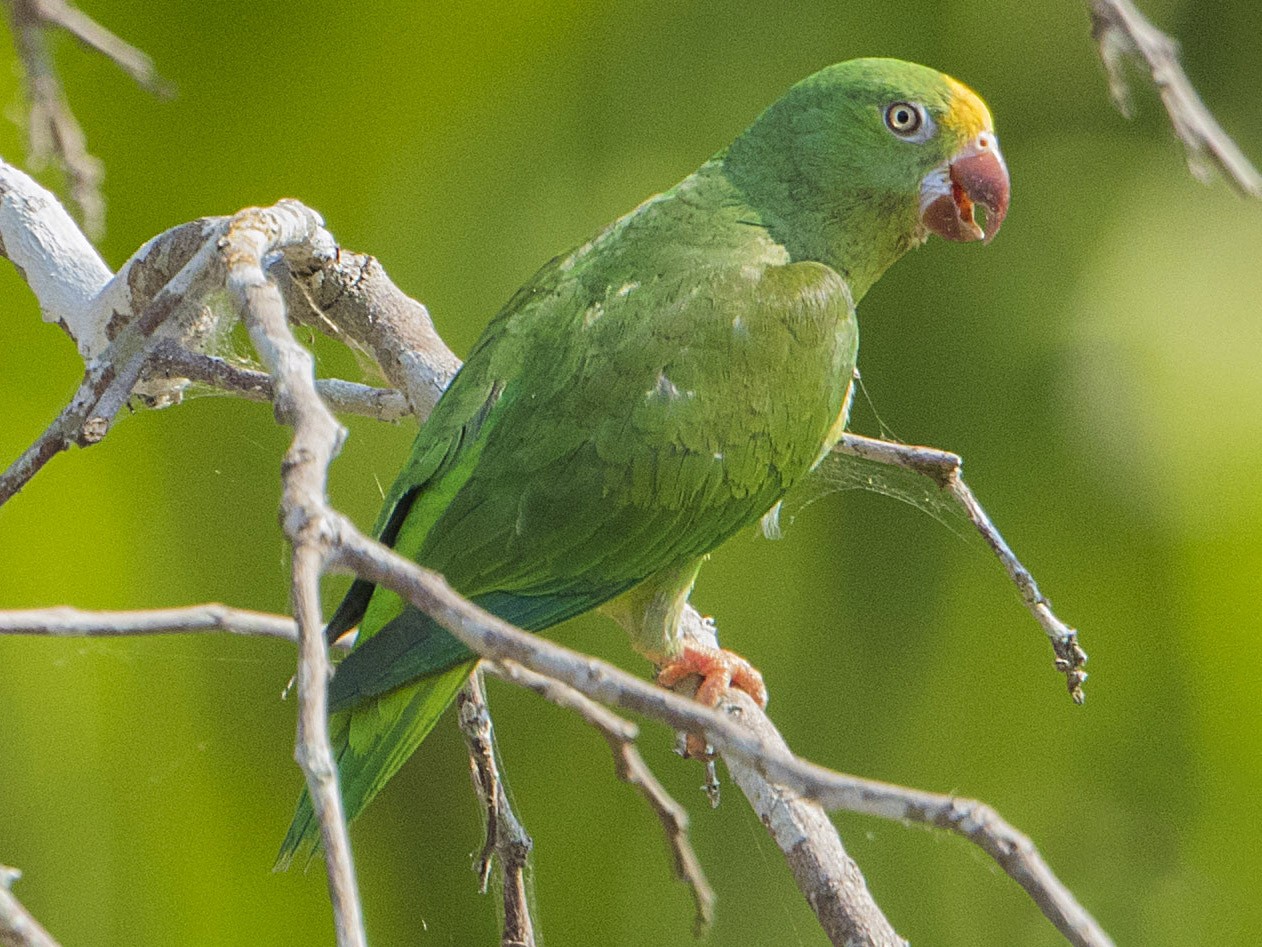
1097 366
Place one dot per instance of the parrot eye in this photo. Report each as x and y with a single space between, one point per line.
903 119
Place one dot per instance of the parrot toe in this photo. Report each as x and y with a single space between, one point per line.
718 670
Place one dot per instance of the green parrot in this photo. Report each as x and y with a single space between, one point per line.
654 391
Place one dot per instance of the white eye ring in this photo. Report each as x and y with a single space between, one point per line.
904 119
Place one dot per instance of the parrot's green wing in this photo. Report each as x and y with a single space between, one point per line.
443 445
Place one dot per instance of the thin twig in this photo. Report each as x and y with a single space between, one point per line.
251 236
945 469
84 421
86 30
54 132
1121 31
506 838
169 359
66 622
630 767
17 927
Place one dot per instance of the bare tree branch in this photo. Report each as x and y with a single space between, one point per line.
831 881
54 132
1122 32
170 360
84 421
945 469
17 927
112 377
64 622
506 838
350 297
513 652
92 34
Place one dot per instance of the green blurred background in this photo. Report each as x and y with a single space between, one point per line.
1099 367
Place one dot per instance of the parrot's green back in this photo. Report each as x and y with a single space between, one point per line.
637 402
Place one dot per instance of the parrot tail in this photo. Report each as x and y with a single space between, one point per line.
370 743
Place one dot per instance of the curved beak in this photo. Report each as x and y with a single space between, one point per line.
949 194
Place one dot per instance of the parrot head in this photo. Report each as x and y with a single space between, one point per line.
868 158
972 172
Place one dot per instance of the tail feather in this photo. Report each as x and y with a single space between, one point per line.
370 743
410 646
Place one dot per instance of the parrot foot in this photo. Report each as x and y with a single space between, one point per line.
718 670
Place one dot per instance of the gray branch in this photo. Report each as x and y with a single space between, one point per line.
64 622
170 360
492 638
53 130
630 767
92 34
946 469
17 927
813 849
117 372
1122 32
506 838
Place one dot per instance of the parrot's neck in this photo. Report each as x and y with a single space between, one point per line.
857 233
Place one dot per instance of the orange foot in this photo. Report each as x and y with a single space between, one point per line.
718 670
